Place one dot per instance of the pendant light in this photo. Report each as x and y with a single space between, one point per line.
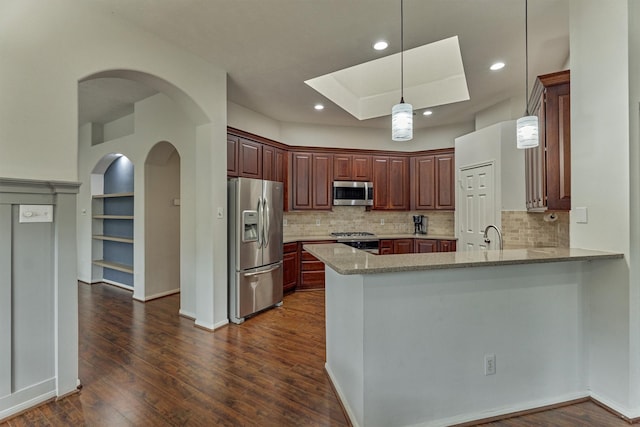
402 113
527 126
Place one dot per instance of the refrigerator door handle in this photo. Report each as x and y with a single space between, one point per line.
260 224
256 273
266 225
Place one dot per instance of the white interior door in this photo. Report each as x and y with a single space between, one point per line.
477 205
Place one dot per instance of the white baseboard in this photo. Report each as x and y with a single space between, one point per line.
221 324
161 294
631 414
524 406
187 314
27 398
117 284
341 396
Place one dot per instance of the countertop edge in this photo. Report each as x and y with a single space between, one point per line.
409 266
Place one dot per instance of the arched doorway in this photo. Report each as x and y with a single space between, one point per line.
162 221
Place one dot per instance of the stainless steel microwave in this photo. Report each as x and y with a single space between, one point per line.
352 193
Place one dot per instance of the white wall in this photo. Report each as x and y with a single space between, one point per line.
309 135
45 49
496 143
162 221
601 181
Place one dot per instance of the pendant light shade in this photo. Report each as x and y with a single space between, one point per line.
527 126
402 113
527 132
402 122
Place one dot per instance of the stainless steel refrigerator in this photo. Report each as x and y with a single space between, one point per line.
255 246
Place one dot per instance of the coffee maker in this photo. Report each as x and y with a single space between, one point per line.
420 224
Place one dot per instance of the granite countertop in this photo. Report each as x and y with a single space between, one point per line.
289 239
347 260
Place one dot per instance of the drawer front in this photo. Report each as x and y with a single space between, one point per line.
290 247
313 266
306 256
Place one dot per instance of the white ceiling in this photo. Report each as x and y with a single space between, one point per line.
271 47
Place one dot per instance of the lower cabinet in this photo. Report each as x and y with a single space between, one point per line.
423 246
290 266
419 246
311 268
403 246
446 245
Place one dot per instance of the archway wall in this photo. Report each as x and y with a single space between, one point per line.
156 119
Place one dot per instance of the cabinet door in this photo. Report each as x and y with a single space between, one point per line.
558 141
424 185
232 155
249 159
268 163
380 182
423 246
385 247
446 246
290 271
445 177
322 181
301 181
403 246
342 167
361 167
280 173
398 183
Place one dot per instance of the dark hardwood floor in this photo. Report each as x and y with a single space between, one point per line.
143 365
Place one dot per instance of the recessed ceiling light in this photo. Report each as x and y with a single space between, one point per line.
497 66
427 113
319 107
381 45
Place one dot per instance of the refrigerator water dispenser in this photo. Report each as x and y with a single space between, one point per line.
250 226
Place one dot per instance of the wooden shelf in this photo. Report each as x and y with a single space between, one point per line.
113 217
113 266
105 196
112 238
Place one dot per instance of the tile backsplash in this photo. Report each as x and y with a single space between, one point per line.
521 228
357 218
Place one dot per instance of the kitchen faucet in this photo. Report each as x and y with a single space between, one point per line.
486 238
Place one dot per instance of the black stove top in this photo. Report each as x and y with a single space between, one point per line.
351 234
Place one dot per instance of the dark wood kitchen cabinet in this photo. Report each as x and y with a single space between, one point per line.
351 167
548 166
433 182
446 245
273 163
232 155
312 178
249 159
390 183
385 247
403 246
423 246
311 268
290 265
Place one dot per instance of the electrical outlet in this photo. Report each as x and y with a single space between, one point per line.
284 222
317 222
490 364
382 221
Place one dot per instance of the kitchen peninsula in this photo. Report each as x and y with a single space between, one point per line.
446 338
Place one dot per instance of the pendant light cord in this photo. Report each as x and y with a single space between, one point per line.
526 57
401 52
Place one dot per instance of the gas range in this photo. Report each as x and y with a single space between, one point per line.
359 239
354 235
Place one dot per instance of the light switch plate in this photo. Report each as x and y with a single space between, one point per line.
36 213
580 215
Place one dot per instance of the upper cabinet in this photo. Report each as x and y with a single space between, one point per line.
548 166
311 181
433 182
401 181
390 183
351 167
259 159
